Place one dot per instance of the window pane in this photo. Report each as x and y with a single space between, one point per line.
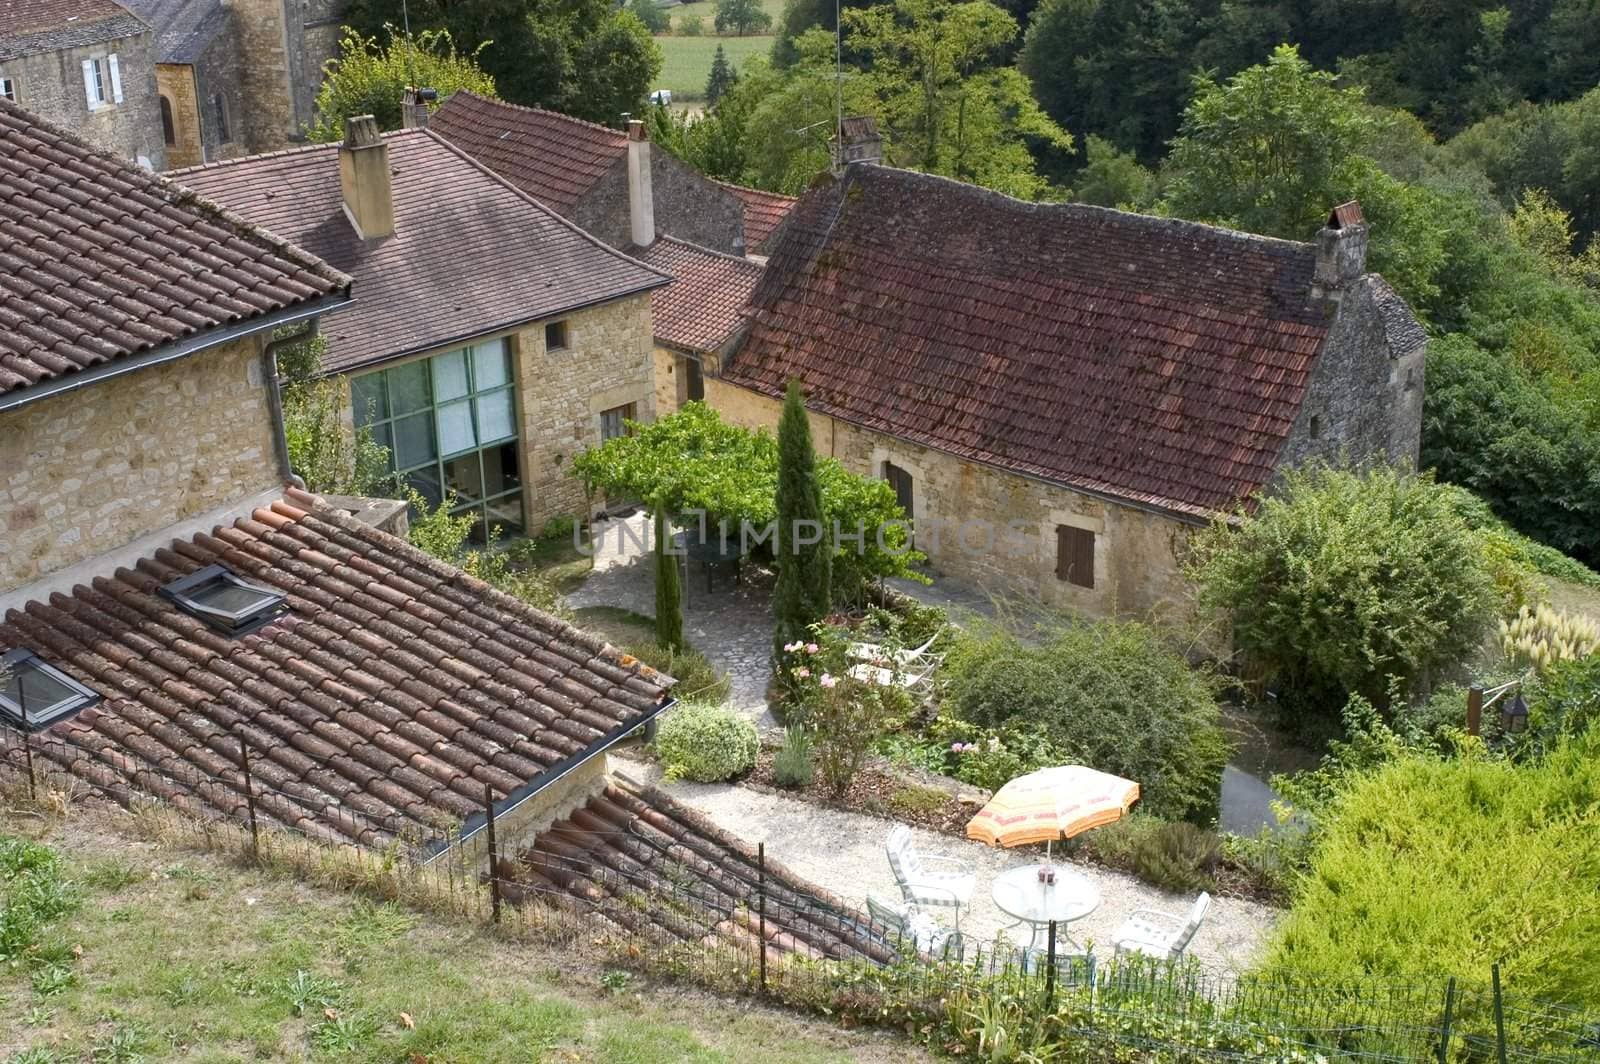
408 387
455 427
506 513
426 482
367 401
413 441
500 471
449 376
491 366
462 476
33 691
495 416
382 437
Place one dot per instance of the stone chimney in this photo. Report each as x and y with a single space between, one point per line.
414 107
641 200
858 141
1341 252
364 178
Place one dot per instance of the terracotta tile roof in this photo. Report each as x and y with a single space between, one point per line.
28 26
763 213
702 307
1144 358
378 707
662 871
469 255
104 260
553 157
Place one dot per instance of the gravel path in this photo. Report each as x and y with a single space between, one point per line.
843 851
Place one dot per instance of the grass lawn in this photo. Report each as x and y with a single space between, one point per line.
686 61
190 956
621 627
707 10
558 559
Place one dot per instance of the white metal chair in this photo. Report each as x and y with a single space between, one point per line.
921 885
919 929
872 653
1163 936
916 679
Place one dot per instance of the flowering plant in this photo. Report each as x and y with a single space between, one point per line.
841 702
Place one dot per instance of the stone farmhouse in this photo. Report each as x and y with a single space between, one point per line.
177 624
237 76
1060 393
87 66
485 387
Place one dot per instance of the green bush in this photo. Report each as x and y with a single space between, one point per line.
1425 867
1178 856
1348 583
706 743
698 679
1112 696
691 26
791 765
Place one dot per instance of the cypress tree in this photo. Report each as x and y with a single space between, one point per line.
669 596
802 595
722 77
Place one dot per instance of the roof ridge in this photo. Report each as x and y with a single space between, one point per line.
574 119
742 260
757 191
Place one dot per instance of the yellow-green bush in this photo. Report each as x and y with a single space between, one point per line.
1541 636
1427 868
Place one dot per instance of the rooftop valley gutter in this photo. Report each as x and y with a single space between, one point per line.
475 823
116 367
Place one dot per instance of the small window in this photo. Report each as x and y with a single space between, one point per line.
224 601
904 488
8 89
169 132
555 336
219 106
34 695
1075 555
614 422
1316 427
94 83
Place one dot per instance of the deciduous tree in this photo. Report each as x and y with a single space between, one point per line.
370 79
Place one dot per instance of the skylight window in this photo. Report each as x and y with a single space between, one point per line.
34 695
225 601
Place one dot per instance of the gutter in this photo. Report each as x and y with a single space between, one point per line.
269 372
118 366
476 823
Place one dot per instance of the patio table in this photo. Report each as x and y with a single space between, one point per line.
1018 893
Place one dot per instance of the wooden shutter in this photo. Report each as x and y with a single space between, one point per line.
116 77
1075 555
89 91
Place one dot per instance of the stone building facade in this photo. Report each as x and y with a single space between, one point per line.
87 471
86 68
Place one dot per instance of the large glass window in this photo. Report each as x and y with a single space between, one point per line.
450 425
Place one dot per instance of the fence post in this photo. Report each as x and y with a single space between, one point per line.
1449 1011
1474 710
1499 1016
1050 969
761 906
494 854
27 755
249 798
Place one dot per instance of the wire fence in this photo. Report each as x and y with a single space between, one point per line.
659 897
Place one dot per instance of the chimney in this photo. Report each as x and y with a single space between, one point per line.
858 141
1341 252
641 200
364 178
414 107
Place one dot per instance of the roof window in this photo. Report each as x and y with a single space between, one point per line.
34 695
227 603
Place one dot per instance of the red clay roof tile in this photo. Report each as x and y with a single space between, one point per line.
702 307
763 213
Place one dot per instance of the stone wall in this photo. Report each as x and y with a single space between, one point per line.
1137 551
607 363
50 84
688 205
217 73
84 472
1363 403
176 83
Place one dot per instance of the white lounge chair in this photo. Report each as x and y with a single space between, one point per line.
920 930
917 679
921 885
874 654
1163 936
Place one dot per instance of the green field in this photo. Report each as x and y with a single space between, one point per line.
708 12
686 61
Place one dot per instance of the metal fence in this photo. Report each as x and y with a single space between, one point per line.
754 931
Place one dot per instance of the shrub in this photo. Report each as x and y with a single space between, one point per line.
791 765
652 14
917 800
847 716
706 743
698 679
1112 696
1178 856
1565 702
1541 637
1345 582
692 26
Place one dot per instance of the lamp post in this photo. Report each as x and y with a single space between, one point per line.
1514 717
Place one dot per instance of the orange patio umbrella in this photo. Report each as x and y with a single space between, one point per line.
1050 804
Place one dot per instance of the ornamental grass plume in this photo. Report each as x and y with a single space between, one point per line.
1540 637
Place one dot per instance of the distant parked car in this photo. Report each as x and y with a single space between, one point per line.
662 97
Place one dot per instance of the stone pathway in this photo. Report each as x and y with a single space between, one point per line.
843 852
731 626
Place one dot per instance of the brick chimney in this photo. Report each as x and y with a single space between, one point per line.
364 178
858 141
641 200
414 107
1341 252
